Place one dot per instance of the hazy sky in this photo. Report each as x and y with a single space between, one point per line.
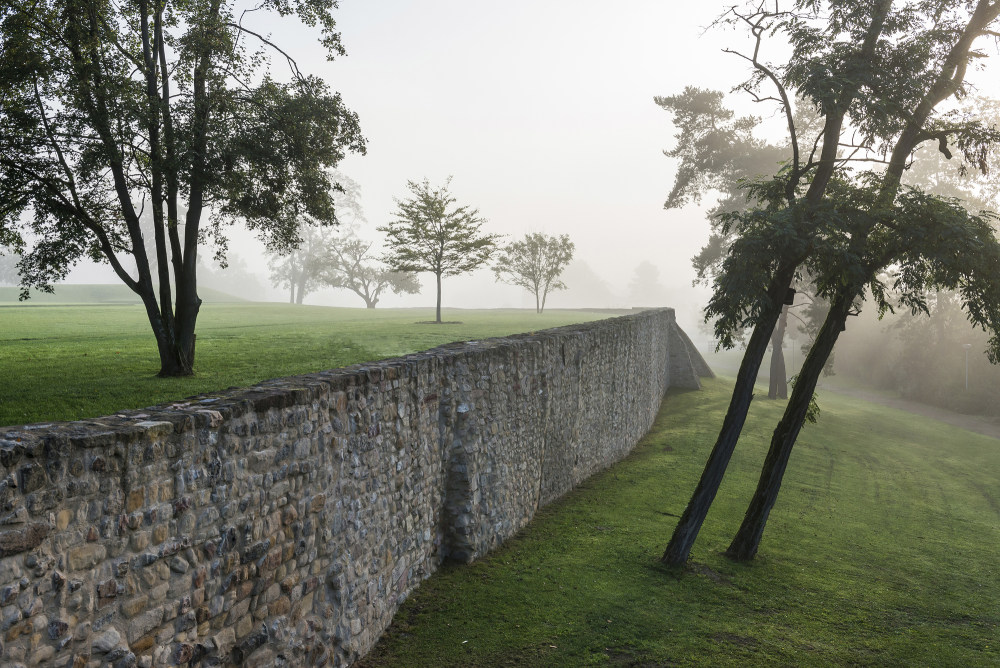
543 113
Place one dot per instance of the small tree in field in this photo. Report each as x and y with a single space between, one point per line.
297 267
431 233
349 264
535 263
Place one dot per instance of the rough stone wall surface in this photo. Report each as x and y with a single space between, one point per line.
284 524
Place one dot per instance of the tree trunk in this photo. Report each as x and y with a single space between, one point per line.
747 540
291 290
689 525
778 381
181 362
300 288
438 311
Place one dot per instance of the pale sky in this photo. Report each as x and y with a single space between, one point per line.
542 112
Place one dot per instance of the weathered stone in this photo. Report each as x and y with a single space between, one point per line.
225 640
42 655
143 643
63 518
134 606
57 629
23 539
179 565
143 623
106 641
135 500
86 556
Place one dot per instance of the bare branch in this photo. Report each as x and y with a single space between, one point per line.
291 61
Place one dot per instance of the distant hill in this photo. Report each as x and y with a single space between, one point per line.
99 294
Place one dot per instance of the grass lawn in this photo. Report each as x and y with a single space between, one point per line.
74 361
882 550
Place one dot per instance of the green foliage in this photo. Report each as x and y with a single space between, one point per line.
886 558
62 362
430 233
714 149
812 412
876 71
535 264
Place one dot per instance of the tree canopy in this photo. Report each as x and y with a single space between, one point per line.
535 264
432 233
350 263
114 109
876 73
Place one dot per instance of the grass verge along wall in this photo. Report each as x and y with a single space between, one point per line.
283 524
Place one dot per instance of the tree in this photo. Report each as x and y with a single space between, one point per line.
111 109
717 151
297 267
535 264
236 278
349 264
645 289
430 233
886 69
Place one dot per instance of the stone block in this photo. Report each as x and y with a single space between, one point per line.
134 606
85 556
144 623
22 539
135 500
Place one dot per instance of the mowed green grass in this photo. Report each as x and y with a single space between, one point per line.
75 361
882 551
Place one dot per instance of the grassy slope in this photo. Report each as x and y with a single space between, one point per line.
73 361
881 551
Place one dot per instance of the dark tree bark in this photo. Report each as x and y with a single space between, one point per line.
747 540
778 383
686 531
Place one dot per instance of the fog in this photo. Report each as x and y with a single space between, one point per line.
543 114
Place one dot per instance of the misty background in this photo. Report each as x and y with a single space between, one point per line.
543 114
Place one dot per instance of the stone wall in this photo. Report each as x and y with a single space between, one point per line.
285 523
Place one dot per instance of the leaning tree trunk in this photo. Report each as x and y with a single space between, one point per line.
778 376
689 525
747 540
